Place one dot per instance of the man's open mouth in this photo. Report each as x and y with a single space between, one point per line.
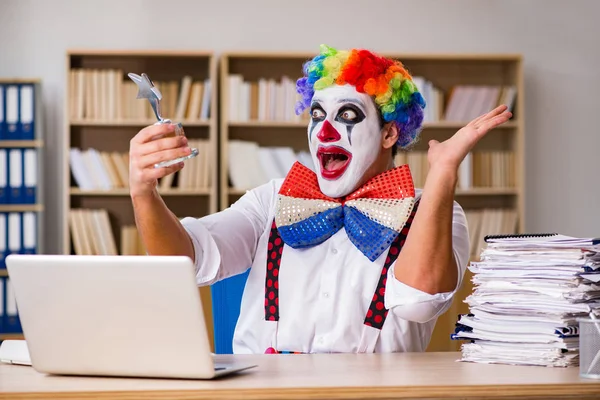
334 161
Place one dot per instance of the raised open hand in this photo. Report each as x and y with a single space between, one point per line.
450 153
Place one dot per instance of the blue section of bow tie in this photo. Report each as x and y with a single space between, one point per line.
370 237
313 230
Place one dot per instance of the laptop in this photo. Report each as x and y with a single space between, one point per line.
128 316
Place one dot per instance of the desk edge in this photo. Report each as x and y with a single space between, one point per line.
346 392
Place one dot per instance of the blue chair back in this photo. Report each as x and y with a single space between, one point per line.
226 302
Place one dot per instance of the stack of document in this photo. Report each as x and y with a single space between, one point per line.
529 291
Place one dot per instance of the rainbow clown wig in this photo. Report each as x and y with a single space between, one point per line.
384 79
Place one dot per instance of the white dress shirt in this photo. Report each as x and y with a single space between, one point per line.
324 291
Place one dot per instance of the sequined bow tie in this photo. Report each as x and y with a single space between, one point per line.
373 215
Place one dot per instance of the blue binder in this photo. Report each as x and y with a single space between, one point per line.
226 302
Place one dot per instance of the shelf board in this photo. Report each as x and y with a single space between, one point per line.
21 207
20 80
11 336
21 143
132 123
138 53
486 191
458 125
398 55
459 192
237 192
125 192
304 124
3 272
270 124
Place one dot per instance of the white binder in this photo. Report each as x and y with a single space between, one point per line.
15 170
12 111
2 127
26 112
30 175
29 233
14 232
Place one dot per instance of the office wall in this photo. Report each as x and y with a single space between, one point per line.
557 38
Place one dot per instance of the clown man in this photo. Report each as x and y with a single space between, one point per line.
350 258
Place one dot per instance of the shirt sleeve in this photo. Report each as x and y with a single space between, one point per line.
225 242
412 304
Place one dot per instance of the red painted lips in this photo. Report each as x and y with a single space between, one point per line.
334 161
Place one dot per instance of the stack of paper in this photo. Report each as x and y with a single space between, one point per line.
528 293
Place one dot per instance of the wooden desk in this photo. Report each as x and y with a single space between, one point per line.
342 376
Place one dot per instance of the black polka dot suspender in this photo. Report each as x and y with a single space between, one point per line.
274 252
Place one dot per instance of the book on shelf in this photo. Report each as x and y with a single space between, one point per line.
417 161
251 165
466 102
262 100
479 169
196 173
99 170
489 221
492 168
91 232
103 170
434 99
131 241
108 95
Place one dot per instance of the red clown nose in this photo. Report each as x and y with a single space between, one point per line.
328 133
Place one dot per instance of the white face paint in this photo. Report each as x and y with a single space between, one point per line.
344 138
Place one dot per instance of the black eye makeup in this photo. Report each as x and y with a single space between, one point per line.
350 114
317 113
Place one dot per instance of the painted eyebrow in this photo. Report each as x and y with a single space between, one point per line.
353 101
